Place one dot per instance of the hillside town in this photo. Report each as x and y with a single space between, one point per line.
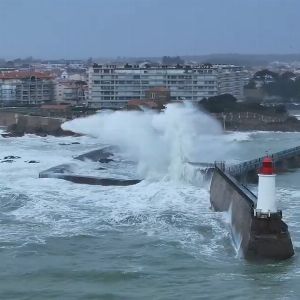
74 88
114 85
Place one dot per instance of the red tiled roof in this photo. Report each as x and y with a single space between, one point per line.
25 74
158 89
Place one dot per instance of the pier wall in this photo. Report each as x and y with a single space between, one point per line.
254 237
226 194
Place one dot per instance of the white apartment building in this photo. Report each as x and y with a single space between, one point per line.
112 86
26 87
70 91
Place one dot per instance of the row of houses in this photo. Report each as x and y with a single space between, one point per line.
26 87
32 87
112 86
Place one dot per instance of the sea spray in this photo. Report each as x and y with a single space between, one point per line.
161 143
235 234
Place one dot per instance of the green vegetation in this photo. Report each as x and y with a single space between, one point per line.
172 60
285 86
228 103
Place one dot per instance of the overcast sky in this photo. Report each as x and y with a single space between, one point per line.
110 28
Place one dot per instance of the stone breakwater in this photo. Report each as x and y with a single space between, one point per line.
19 124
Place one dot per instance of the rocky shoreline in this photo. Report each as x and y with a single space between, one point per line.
251 121
11 131
18 131
289 125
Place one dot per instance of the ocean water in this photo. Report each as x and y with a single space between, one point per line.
158 239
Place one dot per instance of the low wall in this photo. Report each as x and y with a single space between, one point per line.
246 121
7 118
239 117
20 124
36 123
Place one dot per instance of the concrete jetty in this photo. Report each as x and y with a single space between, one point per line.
67 171
255 235
257 226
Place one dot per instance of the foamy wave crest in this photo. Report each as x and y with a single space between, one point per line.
161 143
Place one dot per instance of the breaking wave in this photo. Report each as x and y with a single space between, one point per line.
161 143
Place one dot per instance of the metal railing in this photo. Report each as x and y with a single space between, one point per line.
255 164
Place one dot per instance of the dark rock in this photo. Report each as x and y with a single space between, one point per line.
11 157
33 162
10 134
97 155
60 169
105 160
41 134
67 144
7 161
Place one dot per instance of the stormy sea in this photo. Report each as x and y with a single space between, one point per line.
158 239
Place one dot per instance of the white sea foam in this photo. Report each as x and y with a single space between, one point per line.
37 209
237 136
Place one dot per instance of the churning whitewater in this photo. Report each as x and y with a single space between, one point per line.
165 204
159 236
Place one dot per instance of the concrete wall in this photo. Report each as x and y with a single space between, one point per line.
7 118
227 195
20 124
35 123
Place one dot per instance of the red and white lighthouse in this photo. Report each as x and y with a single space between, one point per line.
266 198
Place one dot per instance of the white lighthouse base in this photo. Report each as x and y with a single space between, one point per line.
266 199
